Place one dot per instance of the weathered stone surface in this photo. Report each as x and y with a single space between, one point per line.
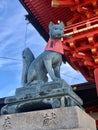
76 129
48 89
66 129
53 94
69 118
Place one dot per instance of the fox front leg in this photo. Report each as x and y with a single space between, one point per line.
57 71
48 65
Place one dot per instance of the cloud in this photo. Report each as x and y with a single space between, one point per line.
3 7
12 42
70 75
11 36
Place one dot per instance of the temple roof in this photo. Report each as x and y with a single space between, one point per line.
41 13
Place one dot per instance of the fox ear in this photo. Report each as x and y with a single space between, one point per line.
62 24
51 24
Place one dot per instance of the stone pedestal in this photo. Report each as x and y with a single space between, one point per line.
68 118
39 96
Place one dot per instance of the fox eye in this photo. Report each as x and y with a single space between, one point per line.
60 28
56 29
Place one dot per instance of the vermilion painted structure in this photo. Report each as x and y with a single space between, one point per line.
83 47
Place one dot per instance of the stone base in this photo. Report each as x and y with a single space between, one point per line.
68 118
65 129
49 95
76 129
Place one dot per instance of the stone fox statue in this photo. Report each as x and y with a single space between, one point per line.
47 62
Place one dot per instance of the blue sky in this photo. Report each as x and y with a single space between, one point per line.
13 39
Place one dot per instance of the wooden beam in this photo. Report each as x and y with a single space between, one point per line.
60 3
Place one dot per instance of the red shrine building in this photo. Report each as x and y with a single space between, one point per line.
81 51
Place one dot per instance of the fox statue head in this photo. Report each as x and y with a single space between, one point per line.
56 30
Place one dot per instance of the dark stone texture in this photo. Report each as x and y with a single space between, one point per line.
53 94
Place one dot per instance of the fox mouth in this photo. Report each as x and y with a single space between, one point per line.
57 35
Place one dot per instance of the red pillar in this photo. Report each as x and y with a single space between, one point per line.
96 78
